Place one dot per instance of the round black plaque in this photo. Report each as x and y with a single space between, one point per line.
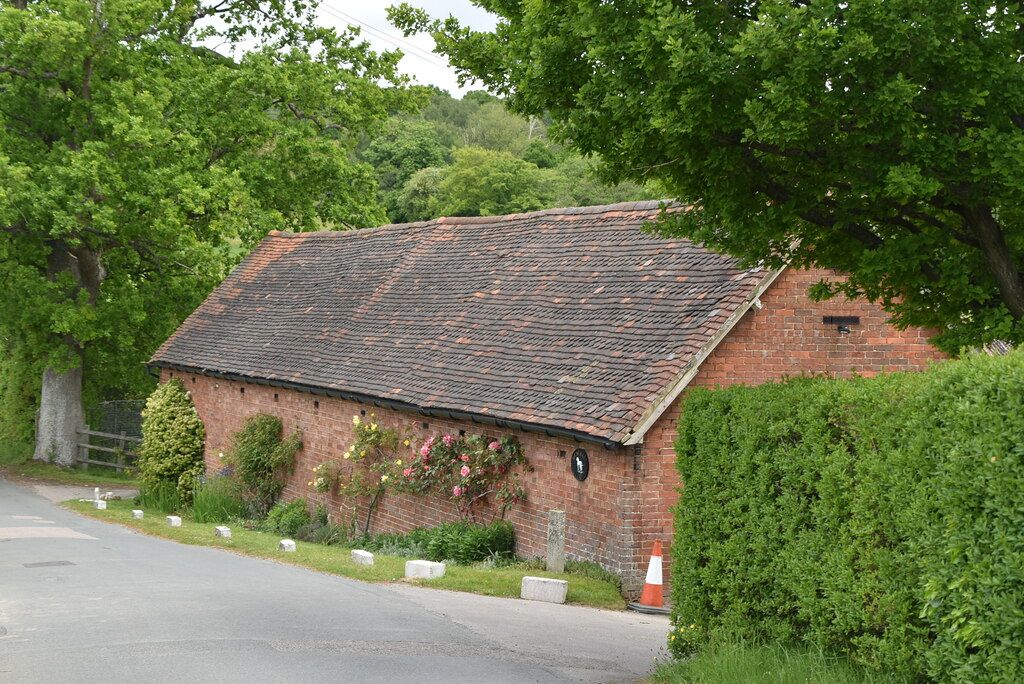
580 464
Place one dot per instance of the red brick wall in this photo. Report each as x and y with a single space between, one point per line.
598 522
614 516
785 338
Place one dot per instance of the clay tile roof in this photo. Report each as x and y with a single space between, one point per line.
574 319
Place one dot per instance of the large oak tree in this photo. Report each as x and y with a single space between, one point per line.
882 138
137 162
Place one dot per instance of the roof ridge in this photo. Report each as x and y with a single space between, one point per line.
639 205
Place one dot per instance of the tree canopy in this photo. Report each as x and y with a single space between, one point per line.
137 164
882 138
473 157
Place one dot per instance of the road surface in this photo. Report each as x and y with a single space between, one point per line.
87 601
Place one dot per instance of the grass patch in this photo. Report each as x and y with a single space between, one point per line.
768 664
16 461
583 589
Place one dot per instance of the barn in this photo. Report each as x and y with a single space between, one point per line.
575 330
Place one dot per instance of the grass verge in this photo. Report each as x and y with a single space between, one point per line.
768 664
583 590
47 472
16 462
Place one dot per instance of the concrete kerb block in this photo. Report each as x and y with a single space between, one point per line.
361 557
544 589
138 515
424 569
174 520
222 531
100 505
286 545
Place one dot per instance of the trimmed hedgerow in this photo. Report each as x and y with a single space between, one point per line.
171 453
882 518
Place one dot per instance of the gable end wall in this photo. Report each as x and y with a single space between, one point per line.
786 338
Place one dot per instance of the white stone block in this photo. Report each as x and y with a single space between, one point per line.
544 589
138 515
424 569
222 531
286 545
361 557
100 505
174 521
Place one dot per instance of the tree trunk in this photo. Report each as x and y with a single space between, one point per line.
999 259
61 413
60 416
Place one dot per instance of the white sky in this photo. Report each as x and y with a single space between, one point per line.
419 60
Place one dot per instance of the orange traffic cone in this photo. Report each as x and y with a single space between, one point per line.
651 599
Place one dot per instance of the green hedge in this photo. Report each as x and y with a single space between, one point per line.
882 518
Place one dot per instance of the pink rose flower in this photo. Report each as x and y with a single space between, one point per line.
456 491
494 446
407 472
465 458
465 471
448 439
425 449
426 467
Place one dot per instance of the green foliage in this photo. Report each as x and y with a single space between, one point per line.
161 496
880 139
218 500
19 391
172 440
728 663
473 157
483 182
458 542
135 160
880 518
262 460
288 518
402 148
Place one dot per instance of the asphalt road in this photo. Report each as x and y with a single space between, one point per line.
86 601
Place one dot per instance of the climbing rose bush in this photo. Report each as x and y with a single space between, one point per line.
373 459
474 474
325 477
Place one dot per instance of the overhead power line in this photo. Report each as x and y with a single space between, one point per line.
380 34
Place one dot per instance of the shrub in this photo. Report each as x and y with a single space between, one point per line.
288 518
172 440
219 499
881 518
262 460
458 542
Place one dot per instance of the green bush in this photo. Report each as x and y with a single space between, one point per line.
172 440
288 518
880 518
262 460
218 500
458 542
